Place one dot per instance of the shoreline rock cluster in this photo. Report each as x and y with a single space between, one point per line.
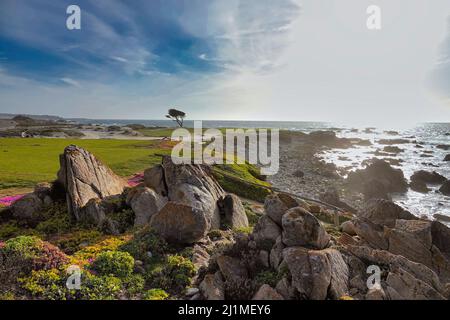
307 263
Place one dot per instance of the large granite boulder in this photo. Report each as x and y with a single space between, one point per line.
232 212
317 274
194 186
154 179
276 205
266 232
180 223
428 177
27 208
84 178
301 228
145 202
212 287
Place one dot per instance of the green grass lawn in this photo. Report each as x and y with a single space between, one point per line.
25 162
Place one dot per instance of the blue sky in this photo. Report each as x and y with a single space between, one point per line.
226 59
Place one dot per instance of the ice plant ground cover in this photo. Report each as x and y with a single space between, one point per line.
7 201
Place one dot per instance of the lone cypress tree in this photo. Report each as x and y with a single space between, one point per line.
177 116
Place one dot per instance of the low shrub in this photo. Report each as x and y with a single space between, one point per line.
173 275
115 263
269 277
134 284
156 294
97 288
45 284
90 253
72 242
31 253
146 241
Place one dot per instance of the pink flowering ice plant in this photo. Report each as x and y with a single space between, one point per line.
7 201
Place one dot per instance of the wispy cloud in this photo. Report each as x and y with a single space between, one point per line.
71 82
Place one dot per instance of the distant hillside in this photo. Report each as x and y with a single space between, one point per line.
32 116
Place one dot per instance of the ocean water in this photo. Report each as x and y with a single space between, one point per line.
428 157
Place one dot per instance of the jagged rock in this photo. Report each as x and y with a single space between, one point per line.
85 178
447 157
348 227
440 235
231 268
371 233
409 246
441 217
154 179
428 177
311 277
301 228
317 274
339 274
180 223
200 257
233 212
145 202
276 254
410 288
194 185
266 292
275 208
385 258
421 229
385 212
445 188
212 287
392 179
266 232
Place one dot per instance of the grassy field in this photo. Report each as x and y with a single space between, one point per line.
25 162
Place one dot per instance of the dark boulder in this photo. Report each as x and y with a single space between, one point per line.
392 179
428 177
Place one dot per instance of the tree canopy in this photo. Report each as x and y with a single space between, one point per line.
177 116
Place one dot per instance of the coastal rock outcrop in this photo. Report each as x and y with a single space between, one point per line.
84 178
193 185
391 179
301 228
385 212
180 223
145 202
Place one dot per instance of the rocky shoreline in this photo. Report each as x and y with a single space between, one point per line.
192 240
